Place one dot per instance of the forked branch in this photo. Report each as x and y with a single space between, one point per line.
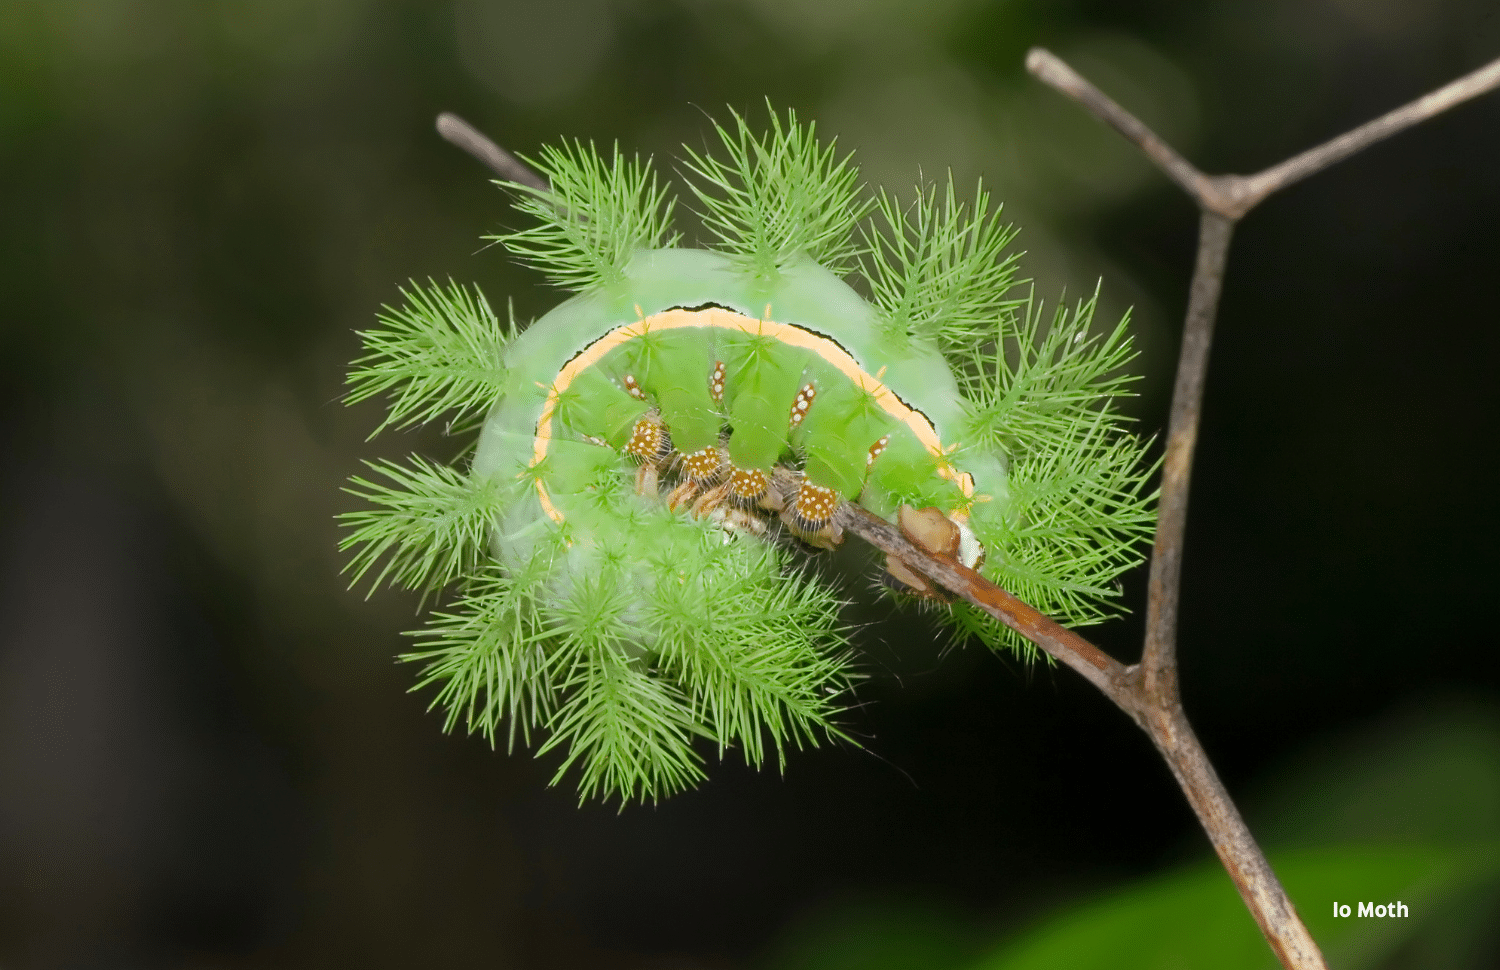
1155 701
1148 691
1232 196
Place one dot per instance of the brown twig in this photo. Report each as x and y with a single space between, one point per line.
459 132
1057 641
1156 704
1232 196
1159 658
1147 691
1299 167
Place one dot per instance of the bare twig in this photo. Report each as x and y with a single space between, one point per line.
1157 705
1299 167
459 132
1052 71
1165 723
1232 196
1159 658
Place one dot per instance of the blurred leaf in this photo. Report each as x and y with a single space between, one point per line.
1429 775
1194 918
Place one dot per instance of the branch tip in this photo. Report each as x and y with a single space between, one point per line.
457 131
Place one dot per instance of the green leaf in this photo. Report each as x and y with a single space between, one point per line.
1195 918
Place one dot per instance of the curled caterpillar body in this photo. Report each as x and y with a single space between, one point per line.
605 549
792 373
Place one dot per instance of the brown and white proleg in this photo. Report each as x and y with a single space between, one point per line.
704 466
650 443
709 501
738 520
747 487
700 469
682 494
810 515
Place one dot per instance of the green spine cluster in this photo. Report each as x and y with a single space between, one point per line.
629 636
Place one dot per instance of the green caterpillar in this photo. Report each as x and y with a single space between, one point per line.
665 376
615 583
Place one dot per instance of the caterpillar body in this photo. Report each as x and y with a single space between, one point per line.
677 366
611 578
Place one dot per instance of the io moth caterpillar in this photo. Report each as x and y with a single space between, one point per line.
721 394
611 545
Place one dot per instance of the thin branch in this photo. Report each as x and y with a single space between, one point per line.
1299 167
1223 200
1052 71
1232 196
1166 724
1159 657
1232 840
459 132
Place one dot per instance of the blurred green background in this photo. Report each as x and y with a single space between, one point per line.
207 755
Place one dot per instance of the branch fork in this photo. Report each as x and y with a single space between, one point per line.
1147 691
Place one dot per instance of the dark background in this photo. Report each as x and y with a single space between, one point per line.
207 755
